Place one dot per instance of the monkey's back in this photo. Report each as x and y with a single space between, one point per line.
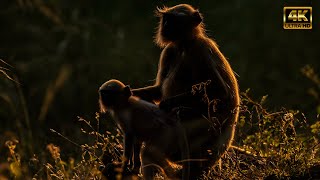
146 119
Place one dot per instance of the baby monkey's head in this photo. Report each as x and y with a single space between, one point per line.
113 93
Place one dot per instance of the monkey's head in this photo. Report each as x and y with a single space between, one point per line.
113 93
180 22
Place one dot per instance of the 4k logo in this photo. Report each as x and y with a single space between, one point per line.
297 17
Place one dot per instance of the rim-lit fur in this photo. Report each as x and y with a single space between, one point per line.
111 84
102 107
185 9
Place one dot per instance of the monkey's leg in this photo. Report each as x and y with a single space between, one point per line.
136 157
199 140
148 168
183 150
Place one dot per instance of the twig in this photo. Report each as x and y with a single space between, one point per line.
72 142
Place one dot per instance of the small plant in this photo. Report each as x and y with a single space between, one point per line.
309 72
89 165
14 159
274 145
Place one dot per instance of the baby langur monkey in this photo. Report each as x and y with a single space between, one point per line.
143 122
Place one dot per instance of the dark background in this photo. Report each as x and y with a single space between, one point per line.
62 51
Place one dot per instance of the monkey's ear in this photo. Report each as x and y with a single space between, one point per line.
127 91
197 18
160 11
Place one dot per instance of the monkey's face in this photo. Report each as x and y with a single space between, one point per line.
109 98
177 23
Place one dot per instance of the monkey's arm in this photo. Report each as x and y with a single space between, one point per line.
148 93
151 93
218 72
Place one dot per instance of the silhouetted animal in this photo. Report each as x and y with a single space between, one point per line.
190 57
143 122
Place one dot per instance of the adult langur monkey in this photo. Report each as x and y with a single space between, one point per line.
190 57
143 122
